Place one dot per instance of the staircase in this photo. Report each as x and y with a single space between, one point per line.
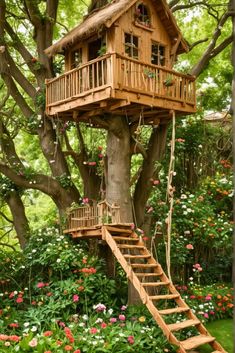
159 295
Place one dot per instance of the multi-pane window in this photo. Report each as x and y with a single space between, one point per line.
77 57
131 45
142 15
158 54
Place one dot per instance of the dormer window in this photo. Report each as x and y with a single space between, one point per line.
158 55
131 46
142 15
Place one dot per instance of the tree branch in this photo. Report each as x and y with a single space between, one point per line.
5 217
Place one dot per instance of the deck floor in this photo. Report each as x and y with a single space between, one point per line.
95 231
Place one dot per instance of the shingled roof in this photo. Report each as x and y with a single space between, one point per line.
104 17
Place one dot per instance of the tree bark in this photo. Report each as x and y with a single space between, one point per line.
20 221
118 167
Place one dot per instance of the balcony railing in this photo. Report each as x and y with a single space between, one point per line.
120 73
89 216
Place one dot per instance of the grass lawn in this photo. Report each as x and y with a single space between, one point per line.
223 331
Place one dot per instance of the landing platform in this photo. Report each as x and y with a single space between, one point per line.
95 231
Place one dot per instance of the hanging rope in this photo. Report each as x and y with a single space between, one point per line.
170 199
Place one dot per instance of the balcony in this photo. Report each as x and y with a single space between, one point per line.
112 82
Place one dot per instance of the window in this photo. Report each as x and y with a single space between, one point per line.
142 15
131 46
158 54
76 58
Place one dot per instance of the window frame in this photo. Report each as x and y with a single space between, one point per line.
131 45
158 55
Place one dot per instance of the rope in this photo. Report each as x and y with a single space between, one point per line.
170 199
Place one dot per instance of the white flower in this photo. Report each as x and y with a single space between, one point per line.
26 324
183 196
110 311
34 329
85 317
34 250
58 260
99 320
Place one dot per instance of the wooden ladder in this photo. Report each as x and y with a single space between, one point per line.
163 301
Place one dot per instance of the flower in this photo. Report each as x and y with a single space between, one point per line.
68 348
189 247
19 300
14 325
103 325
40 285
47 352
75 298
124 307
113 320
14 338
93 330
130 339
142 319
33 342
77 351
47 333
99 307
122 317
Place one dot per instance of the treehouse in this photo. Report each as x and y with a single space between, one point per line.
120 60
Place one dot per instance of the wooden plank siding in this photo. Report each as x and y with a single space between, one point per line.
121 74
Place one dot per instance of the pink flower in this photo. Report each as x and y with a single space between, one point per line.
77 351
206 315
189 246
212 312
19 300
113 320
33 342
14 338
208 297
131 340
192 296
40 285
14 325
132 226
124 307
122 317
156 182
75 298
93 330
85 200
103 325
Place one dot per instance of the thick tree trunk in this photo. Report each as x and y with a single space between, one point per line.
20 221
118 167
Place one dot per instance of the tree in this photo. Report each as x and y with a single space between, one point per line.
25 32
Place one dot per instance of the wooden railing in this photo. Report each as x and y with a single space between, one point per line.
89 216
154 80
124 73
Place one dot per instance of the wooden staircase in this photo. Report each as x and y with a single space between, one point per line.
159 295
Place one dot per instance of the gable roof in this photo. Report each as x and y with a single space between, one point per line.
105 16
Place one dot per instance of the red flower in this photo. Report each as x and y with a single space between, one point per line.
131 340
14 338
93 330
103 325
47 352
68 348
40 285
189 246
77 351
47 333
3 337
14 325
19 300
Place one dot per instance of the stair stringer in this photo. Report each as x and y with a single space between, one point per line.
144 296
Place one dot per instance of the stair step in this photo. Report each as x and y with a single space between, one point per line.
127 256
194 342
119 230
125 238
181 325
127 246
144 265
148 274
173 310
216 352
154 284
164 296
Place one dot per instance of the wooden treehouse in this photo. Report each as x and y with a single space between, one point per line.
160 296
119 60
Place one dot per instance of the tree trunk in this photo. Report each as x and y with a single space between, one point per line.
118 167
20 221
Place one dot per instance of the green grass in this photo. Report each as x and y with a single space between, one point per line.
223 331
